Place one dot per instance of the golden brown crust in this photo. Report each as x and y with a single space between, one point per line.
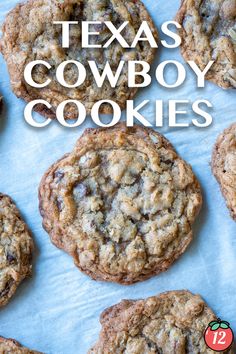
122 203
172 322
16 248
208 33
224 166
29 34
11 346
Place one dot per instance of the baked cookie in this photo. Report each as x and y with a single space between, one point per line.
209 33
224 166
171 323
11 346
29 34
122 203
16 248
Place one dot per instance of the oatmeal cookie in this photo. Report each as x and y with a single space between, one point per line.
171 323
224 166
29 34
122 203
16 247
209 33
11 346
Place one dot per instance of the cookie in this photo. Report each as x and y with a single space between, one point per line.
224 166
122 203
172 322
29 34
16 248
11 346
209 33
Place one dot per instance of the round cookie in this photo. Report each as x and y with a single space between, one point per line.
224 166
16 247
209 33
29 34
11 346
122 203
173 322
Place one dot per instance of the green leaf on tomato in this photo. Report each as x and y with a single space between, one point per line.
224 325
215 327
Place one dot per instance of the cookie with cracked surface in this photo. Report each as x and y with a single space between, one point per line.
172 322
11 346
122 203
209 33
16 247
29 34
224 166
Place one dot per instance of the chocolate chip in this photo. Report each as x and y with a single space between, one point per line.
168 162
146 217
99 27
7 288
60 203
59 175
11 258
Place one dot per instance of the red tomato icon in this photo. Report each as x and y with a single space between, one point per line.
219 336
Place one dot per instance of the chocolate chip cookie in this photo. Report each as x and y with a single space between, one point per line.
29 34
209 33
11 346
224 166
171 323
122 203
16 248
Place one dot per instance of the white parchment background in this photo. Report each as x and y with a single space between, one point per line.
57 311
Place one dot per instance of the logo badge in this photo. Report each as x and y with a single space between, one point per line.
218 335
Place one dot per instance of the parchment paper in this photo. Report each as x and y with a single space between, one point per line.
57 311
